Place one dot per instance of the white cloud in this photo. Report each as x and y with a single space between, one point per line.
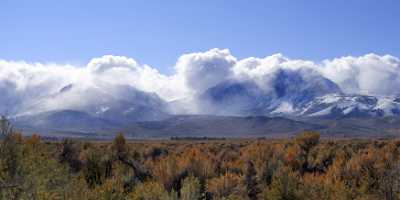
264 70
24 85
126 71
368 74
259 67
31 87
202 70
109 62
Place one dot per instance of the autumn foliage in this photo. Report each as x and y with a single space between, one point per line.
304 167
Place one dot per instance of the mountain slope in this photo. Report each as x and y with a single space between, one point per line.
340 105
219 126
291 101
352 127
64 121
285 94
118 103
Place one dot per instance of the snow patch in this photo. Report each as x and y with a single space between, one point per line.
284 107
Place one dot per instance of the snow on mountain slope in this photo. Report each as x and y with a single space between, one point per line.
119 103
292 93
286 92
338 105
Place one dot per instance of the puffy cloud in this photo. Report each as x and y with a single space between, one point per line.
109 62
368 74
126 71
200 71
264 70
23 85
33 87
259 67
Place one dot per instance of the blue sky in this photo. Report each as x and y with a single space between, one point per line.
158 32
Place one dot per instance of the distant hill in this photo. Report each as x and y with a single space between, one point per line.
80 124
219 126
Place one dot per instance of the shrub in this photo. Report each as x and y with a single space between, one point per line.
191 189
149 191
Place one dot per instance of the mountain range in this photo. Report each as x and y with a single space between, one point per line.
291 101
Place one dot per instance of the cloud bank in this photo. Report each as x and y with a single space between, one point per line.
24 86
